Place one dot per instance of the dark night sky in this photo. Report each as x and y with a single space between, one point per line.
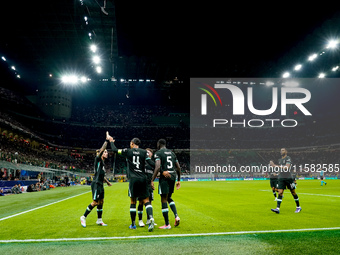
209 34
208 38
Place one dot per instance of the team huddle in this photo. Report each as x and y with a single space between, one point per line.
141 172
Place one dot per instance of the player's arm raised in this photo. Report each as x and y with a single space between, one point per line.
102 149
111 140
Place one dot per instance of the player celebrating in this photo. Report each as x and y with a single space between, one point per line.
285 180
136 159
166 161
97 186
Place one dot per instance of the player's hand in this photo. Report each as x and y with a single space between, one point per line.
108 137
109 183
271 163
152 185
178 185
166 174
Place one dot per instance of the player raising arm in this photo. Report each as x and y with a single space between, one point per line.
166 162
136 158
97 186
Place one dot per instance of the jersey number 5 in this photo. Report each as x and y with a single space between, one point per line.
169 165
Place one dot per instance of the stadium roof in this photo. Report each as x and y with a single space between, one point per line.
40 38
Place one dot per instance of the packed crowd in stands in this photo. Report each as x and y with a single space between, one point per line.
87 127
123 115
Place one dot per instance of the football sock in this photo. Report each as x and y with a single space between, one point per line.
296 198
274 193
149 210
88 210
100 211
133 214
140 211
278 202
173 208
165 212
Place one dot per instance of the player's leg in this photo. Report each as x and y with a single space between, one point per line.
133 188
274 192
100 213
87 212
174 210
150 200
140 213
172 202
163 190
133 213
165 211
296 198
273 184
280 186
90 206
149 212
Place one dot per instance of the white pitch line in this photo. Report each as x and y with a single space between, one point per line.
318 194
165 236
31 210
312 194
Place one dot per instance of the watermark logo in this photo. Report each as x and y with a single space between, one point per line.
204 98
250 104
239 100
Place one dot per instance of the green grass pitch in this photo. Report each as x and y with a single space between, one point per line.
216 217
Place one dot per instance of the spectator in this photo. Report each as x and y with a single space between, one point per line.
2 192
15 189
31 188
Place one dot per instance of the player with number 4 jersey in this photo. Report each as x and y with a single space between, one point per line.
136 158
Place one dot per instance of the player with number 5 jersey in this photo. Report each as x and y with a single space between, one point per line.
167 164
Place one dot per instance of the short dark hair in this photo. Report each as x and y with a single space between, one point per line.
136 141
162 142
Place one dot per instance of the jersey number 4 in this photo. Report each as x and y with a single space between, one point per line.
135 161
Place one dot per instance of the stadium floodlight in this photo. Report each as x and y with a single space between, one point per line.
312 57
297 67
13 68
93 48
3 58
335 68
96 60
322 75
286 75
69 79
99 69
332 44
83 79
